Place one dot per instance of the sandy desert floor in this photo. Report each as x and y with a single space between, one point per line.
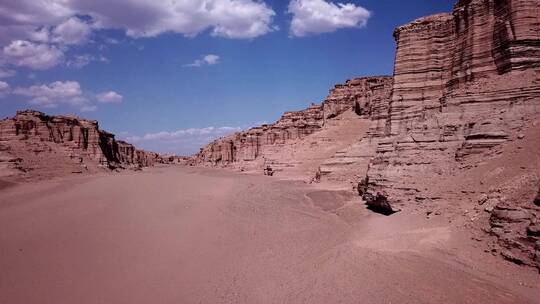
183 235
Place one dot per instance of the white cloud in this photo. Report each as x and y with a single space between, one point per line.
40 35
4 88
45 46
88 108
224 18
6 73
32 12
71 31
209 59
110 97
319 16
184 141
64 93
35 56
82 60
51 95
36 33
180 134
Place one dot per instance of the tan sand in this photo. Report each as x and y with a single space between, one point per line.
181 235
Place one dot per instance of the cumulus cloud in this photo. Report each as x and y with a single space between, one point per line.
72 31
32 55
224 18
42 47
319 16
63 93
51 95
109 97
36 34
41 35
184 141
209 59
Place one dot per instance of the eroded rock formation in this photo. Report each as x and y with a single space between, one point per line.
34 142
466 85
261 146
464 82
250 145
459 119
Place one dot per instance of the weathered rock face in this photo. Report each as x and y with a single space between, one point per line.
517 227
250 145
367 96
464 83
256 145
131 156
466 87
81 137
74 144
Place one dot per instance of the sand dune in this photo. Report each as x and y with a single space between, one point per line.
179 235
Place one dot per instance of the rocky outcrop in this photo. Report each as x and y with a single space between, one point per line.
466 90
258 147
40 142
464 83
251 145
82 137
131 156
370 101
517 228
366 95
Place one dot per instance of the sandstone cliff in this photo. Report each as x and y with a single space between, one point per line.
43 145
454 132
272 144
466 90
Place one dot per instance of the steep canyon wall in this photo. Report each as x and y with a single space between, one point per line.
466 95
463 83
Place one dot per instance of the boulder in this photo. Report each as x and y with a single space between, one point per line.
379 203
509 214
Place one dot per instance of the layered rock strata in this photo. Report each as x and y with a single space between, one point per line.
464 82
466 87
464 99
258 147
34 141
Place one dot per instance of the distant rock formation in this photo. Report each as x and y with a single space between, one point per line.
254 147
250 145
34 142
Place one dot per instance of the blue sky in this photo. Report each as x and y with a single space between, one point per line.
170 75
